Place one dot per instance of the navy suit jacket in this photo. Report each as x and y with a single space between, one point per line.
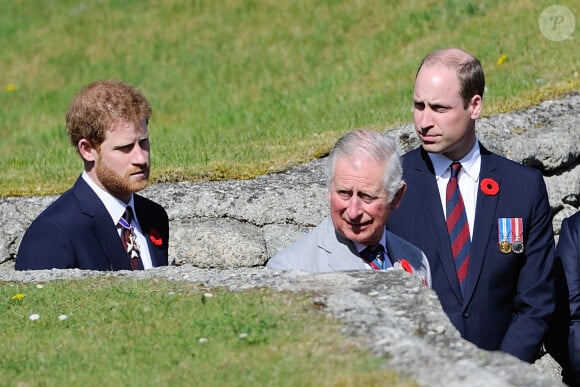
509 298
76 231
563 341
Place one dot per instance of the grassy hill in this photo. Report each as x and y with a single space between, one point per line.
242 87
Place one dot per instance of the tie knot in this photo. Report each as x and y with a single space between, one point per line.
455 168
373 251
127 217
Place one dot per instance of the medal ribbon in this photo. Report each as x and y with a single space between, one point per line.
124 224
505 230
517 224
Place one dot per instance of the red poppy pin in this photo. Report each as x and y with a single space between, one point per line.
406 266
489 187
155 237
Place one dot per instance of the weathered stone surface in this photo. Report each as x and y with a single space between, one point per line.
217 243
561 189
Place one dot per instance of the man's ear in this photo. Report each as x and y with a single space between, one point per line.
398 196
86 150
476 105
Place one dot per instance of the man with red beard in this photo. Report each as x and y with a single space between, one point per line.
100 223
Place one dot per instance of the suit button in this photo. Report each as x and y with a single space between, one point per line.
465 314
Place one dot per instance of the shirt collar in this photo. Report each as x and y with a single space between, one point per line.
360 247
470 163
115 207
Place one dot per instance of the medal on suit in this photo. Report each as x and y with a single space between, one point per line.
518 247
132 246
505 247
518 244
510 235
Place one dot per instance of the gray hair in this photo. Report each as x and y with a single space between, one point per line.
378 146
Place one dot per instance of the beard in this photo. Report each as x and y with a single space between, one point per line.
120 185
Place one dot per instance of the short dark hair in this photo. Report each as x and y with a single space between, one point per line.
467 67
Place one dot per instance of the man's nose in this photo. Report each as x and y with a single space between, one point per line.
354 209
426 119
140 155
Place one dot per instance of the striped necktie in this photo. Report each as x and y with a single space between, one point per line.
457 226
129 240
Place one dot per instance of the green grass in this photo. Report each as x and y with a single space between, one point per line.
150 333
243 87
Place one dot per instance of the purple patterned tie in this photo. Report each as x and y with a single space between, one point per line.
457 226
129 240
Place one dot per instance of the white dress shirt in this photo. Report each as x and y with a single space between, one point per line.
116 209
468 180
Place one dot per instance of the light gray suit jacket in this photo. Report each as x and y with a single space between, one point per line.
325 250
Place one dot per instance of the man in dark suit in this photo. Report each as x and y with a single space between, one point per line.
484 224
100 223
563 340
364 181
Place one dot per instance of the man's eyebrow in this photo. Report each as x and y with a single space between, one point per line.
368 194
122 145
434 104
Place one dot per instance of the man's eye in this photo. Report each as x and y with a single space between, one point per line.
367 198
125 148
419 105
344 194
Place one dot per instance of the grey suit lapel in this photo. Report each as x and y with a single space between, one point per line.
339 253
